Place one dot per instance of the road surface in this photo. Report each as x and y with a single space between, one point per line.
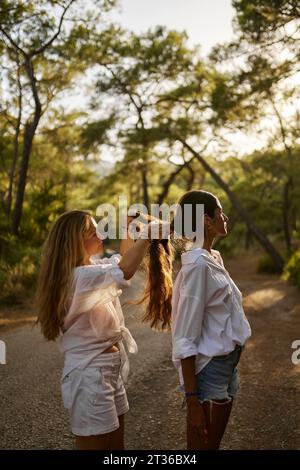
266 414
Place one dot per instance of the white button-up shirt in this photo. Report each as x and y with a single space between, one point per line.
95 319
207 313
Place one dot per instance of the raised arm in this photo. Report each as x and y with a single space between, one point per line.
128 242
133 257
134 252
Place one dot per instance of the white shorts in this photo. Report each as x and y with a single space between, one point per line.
95 396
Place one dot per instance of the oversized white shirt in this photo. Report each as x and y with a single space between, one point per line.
207 313
95 320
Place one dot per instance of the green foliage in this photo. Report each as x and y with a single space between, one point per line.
292 269
152 92
41 209
18 269
262 18
95 133
266 266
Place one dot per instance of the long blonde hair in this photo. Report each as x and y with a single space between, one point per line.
63 250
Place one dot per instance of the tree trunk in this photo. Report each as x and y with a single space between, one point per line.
248 239
132 191
191 179
289 183
170 180
243 213
145 188
16 147
285 214
30 129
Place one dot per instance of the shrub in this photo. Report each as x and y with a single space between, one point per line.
267 266
18 274
292 269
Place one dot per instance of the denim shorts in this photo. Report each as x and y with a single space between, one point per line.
219 379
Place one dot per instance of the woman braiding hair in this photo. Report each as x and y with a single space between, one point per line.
77 300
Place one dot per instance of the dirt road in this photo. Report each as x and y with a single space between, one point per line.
266 414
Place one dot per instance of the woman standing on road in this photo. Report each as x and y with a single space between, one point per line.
209 329
78 302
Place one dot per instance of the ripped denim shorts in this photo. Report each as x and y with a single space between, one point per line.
219 379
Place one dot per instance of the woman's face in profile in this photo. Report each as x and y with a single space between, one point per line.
93 245
217 225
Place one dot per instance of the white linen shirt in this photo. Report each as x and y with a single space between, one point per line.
207 314
95 320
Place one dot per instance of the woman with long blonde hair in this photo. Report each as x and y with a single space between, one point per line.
78 303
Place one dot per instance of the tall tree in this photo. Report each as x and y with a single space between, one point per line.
144 67
267 49
40 42
169 103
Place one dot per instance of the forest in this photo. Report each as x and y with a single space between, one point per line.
90 111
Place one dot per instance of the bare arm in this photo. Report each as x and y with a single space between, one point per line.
188 372
195 412
125 245
128 242
133 257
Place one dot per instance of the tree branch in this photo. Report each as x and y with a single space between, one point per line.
282 128
48 43
12 42
124 88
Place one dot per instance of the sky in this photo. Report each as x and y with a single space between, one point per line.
207 22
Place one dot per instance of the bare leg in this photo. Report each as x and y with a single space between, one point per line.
226 416
217 415
117 437
110 441
100 442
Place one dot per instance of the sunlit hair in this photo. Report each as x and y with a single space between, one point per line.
63 250
160 259
159 285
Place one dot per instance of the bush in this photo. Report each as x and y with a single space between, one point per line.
292 269
18 274
267 266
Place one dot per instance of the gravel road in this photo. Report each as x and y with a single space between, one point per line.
266 414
